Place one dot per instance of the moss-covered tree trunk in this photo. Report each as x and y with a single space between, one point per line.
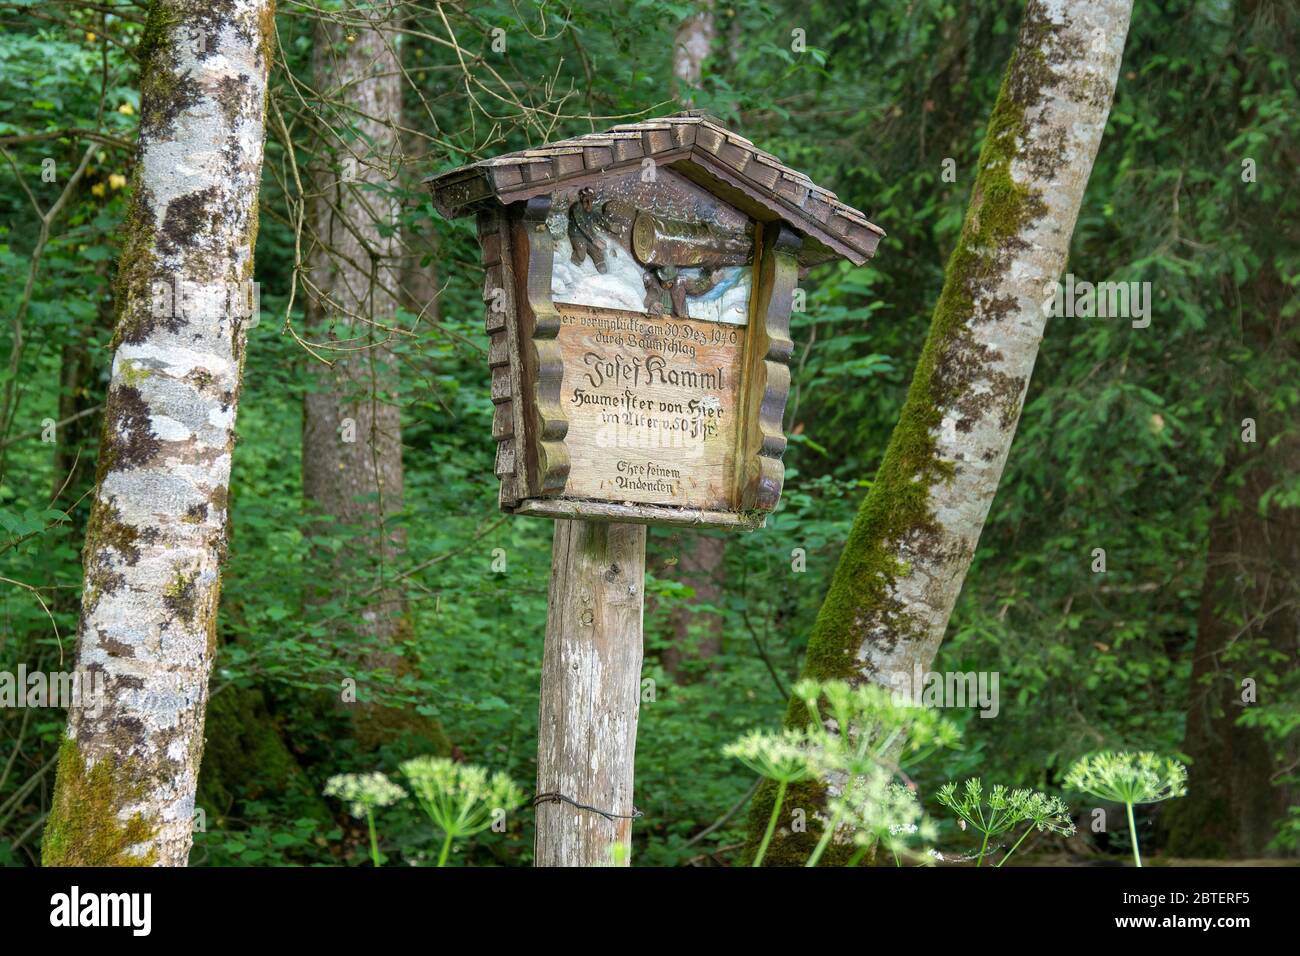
124 793
915 534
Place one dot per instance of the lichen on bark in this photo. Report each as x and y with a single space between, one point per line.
915 533
156 537
898 504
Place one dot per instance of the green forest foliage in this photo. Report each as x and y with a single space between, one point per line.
1124 433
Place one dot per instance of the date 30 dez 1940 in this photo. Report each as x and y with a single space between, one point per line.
1199 897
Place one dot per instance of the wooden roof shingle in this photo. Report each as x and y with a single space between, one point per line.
693 143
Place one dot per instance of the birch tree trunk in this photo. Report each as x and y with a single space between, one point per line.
124 793
915 534
352 435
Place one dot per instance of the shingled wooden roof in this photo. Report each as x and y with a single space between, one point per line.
692 143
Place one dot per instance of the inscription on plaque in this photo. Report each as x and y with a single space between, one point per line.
651 402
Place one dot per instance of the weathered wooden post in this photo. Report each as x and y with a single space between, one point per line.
591 685
639 285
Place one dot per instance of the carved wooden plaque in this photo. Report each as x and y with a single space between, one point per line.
650 289
652 404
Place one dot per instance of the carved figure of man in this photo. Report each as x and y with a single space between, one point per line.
656 284
584 219
678 286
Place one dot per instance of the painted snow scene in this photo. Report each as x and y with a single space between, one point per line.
687 258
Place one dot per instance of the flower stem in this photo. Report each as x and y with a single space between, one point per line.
983 848
1133 834
825 841
374 844
771 823
446 850
1016 846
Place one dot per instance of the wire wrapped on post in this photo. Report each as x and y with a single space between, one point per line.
608 815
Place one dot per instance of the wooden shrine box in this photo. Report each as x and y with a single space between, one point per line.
639 284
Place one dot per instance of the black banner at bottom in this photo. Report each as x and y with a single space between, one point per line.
338 906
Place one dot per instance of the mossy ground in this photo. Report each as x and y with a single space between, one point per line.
245 758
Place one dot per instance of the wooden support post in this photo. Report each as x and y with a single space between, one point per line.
591 687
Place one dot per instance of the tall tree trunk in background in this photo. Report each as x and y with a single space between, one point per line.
691 47
700 557
419 280
124 794
915 534
699 565
1249 622
419 290
352 436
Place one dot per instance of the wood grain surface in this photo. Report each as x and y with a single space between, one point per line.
651 403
